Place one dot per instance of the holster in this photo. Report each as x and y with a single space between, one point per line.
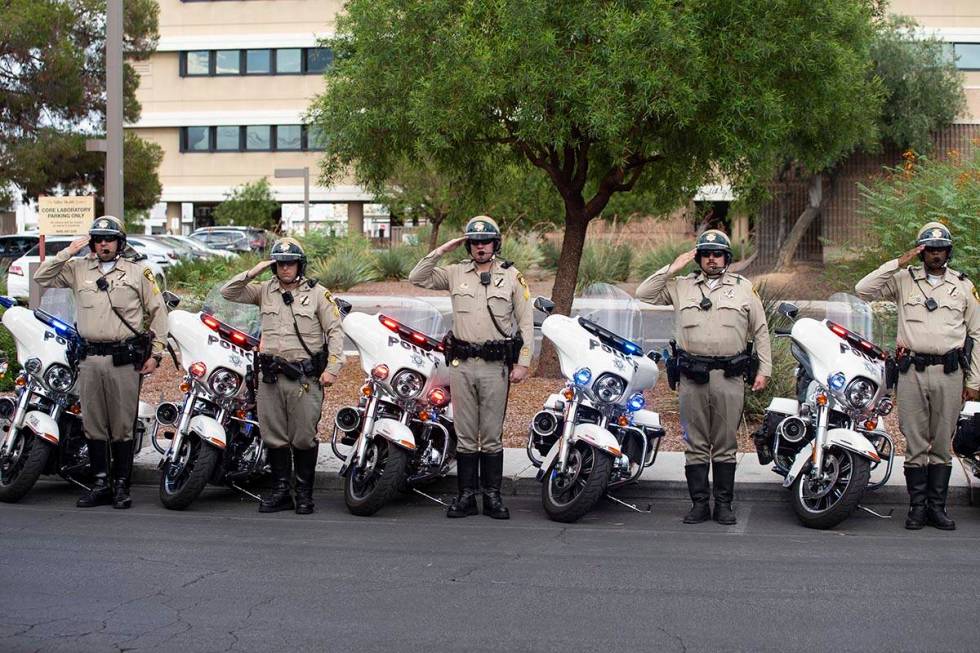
133 351
903 359
951 360
672 367
268 368
891 373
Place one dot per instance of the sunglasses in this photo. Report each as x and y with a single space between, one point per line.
103 239
713 254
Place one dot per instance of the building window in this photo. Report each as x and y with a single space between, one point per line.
258 137
198 62
227 138
258 62
315 140
318 59
289 61
289 137
967 56
227 62
196 139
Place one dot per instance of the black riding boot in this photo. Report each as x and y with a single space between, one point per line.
101 493
467 476
491 478
122 469
700 490
280 460
724 480
917 481
305 461
936 498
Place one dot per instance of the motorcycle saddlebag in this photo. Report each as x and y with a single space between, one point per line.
966 442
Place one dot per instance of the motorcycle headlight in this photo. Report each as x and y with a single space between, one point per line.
33 365
860 392
59 378
609 388
407 384
224 382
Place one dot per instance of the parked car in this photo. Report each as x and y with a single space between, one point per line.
241 239
18 275
195 248
17 245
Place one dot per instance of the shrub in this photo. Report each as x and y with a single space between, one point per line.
350 263
396 262
193 279
549 251
318 243
782 383
603 263
664 254
521 251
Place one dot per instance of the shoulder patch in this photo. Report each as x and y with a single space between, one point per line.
153 282
328 296
527 291
504 263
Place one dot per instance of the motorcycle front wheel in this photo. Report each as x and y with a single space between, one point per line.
20 471
825 502
566 498
368 488
183 478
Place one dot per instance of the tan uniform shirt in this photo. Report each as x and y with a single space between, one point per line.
921 330
507 295
317 317
736 314
132 289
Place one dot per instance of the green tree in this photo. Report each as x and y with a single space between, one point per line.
923 94
251 204
52 96
603 97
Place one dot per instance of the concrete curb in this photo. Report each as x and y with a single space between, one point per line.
664 480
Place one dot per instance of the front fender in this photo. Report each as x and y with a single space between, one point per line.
598 437
209 430
843 438
395 432
43 426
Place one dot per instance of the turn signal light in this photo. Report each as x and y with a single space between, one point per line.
822 399
623 421
871 424
198 369
367 390
76 409
439 397
184 386
20 381
568 393
424 415
380 372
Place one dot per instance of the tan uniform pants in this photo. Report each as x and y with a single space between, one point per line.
289 412
479 394
709 417
929 404
110 399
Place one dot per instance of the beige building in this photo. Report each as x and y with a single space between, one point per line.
225 96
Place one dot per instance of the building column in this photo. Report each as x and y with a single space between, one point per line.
172 225
355 217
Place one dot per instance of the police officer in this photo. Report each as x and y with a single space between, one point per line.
485 356
115 297
716 313
300 353
937 316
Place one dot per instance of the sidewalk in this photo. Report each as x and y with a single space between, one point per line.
664 480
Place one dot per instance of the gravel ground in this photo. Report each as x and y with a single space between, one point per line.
524 401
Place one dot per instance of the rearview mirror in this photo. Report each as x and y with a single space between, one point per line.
544 305
344 306
789 309
171 300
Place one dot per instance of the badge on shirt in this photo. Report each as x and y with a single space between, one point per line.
305 301
730 293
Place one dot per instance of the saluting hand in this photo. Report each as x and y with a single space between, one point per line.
681 261
760 383
518 373
78 245
910 256
257 269
450 245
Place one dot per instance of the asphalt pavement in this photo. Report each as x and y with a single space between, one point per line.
222 577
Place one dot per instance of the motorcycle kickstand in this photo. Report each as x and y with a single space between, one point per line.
78 483
630 505
866 509
430 497
246 492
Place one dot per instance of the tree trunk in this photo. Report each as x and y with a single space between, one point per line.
563 292
435 222
803 222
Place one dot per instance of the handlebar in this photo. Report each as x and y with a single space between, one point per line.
782 331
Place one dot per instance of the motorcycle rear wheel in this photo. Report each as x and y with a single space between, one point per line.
178 489
566 499
825 504
19 475
367 489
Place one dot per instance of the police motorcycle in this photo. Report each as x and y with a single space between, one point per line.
827 441
966 441
400 434
595 434
43 424
212 436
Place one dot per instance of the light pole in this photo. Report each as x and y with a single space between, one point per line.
286 173
114 109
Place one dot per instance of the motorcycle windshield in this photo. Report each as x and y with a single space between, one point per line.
59 303
611 308
244 317
417 314
851 313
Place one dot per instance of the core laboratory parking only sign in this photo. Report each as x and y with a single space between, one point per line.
65 216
